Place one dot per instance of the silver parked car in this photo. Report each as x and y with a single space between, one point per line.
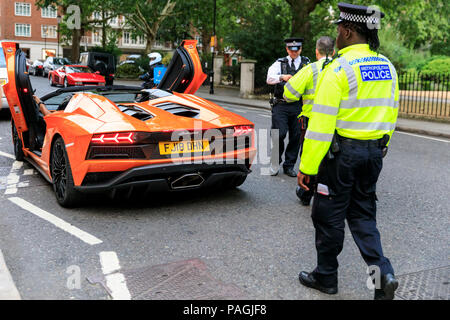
3 80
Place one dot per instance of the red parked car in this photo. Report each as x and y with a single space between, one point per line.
75 75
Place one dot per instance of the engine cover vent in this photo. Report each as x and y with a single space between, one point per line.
136 112
179 110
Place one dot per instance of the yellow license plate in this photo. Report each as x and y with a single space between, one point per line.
183 146
2 82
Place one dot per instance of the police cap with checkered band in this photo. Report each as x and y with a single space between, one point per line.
359 14
293 44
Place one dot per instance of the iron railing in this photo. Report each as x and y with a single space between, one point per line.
424 94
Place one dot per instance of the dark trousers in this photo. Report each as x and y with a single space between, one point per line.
284 118
305 195
351 178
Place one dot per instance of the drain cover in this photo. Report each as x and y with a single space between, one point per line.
181 280
425 285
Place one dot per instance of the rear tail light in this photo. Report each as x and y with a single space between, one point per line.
111 75
115 138
242 130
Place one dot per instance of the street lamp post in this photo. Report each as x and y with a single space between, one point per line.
213 44
45 28
58 19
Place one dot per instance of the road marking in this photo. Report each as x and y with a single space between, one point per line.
114 281
109 262
58 222
7 155
13 178
425 137
28 172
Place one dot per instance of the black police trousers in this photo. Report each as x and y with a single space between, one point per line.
284 118
351 179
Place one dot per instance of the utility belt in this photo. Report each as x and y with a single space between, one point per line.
340 140
303 121
273 101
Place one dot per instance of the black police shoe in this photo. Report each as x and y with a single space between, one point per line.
388 286
290 172
308 280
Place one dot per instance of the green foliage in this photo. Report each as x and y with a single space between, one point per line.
435 66
260 34
394 48
111 47
166 58
128 71
231 74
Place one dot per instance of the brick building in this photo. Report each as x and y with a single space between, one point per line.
35 29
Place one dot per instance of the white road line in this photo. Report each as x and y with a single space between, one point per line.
58 222
109 262
13 178
114 281
28 172
7 155
420 136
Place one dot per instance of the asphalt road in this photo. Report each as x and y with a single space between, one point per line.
257 237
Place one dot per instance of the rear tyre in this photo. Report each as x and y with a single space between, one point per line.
235 182
63 185
18 151
50 80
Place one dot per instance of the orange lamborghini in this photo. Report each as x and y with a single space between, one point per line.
122 139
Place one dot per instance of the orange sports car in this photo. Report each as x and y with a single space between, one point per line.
126 140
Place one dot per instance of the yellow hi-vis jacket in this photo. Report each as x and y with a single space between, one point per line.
357 95
304 83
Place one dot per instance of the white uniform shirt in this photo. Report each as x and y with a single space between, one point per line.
274 72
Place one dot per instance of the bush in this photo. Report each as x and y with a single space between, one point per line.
128 70
166 58
231 73
437 65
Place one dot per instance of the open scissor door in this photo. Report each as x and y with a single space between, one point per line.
184 73
19 93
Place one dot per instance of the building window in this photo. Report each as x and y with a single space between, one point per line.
23 30
49 12
114 21
128 39
97 15
23 9
97 36
49 31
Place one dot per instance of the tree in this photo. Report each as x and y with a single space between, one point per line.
87 21
301 9
146 16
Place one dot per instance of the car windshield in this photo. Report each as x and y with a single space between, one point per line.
78 70
116 96
61 61
2 59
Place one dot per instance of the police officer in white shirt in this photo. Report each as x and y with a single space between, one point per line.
284 115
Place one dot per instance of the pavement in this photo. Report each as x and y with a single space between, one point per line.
231 96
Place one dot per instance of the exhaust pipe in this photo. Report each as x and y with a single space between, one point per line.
187 181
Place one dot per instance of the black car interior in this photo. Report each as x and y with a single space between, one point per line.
34 137
180 72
